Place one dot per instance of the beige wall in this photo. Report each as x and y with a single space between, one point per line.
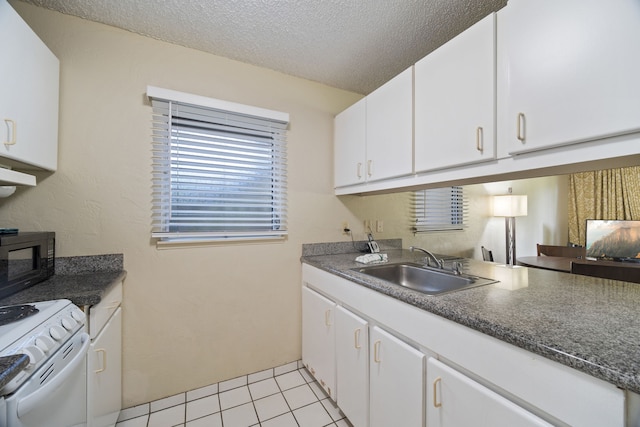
197 316
191 316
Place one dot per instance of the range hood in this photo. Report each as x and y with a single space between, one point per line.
11 177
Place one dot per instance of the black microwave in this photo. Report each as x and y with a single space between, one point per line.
26 258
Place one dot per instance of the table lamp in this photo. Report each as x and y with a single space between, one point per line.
510 206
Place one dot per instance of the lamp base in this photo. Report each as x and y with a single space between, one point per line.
510 240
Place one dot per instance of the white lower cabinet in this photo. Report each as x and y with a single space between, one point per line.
104 360
378 378
352 366
396 378
351 344
455 400
337 351
104 376
318 339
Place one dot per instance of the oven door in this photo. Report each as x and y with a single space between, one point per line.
56 394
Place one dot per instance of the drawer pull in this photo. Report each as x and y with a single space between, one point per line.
356 336
359 170
327 317
436 404
104 360
480 139
376 352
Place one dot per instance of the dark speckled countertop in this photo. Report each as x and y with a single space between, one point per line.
82 289
84 280
587 323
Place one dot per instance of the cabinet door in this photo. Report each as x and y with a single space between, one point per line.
352 366
454 400
349 141
568 71
455 100
104 388
390 128
396 382
100 313
318 339
28 95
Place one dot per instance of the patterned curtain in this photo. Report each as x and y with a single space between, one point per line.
603 194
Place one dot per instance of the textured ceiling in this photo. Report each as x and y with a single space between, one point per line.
355 45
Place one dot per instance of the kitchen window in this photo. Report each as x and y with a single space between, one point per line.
219 170
439 209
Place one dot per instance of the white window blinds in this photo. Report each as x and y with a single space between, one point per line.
217 174
439 209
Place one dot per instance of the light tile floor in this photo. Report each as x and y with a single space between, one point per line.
284 396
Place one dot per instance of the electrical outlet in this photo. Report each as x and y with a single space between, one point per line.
379 226
345 227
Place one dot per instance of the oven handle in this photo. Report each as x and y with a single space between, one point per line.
28 403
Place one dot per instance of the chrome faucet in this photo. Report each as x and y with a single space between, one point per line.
439 262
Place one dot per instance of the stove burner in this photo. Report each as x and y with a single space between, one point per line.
13 313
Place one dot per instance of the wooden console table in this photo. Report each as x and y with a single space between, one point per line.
555 263
625 271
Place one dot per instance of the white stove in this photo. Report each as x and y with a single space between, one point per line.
52 388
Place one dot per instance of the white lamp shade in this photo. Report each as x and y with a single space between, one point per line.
509 205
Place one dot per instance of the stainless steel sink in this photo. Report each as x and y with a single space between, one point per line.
430 281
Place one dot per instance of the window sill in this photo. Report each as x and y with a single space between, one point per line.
208 242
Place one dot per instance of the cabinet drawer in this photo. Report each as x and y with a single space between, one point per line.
99 314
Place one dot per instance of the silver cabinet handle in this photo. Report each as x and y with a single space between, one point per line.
356 338
480 139
370 167
12 130
359 170
521 131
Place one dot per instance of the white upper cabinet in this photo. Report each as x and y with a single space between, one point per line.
29 84
349 135
558 80
567 72
455 106
373 139
390 128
